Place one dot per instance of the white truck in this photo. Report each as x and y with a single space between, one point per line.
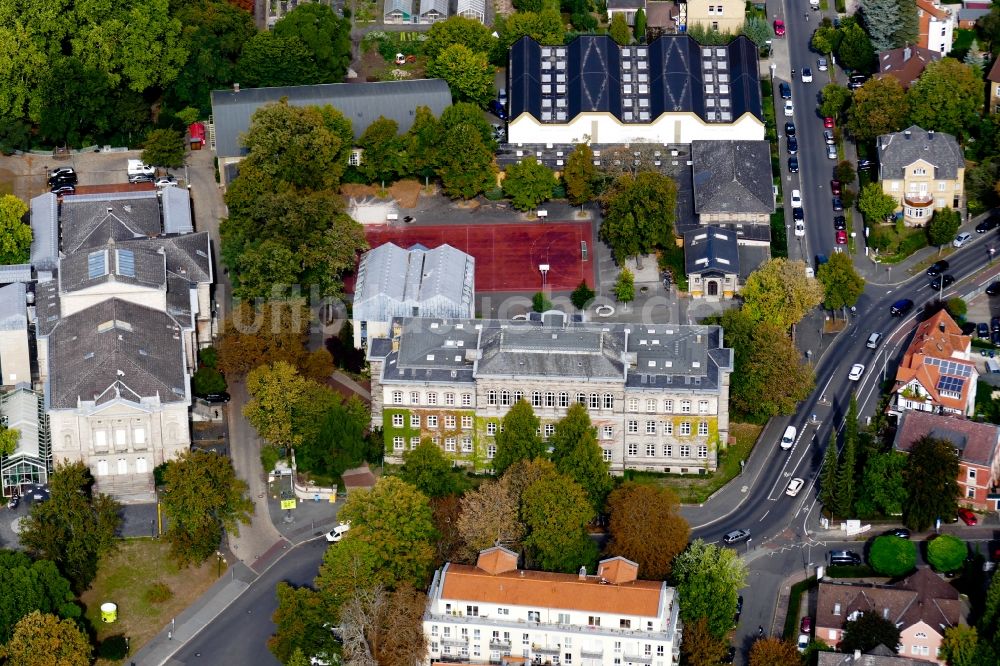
137 168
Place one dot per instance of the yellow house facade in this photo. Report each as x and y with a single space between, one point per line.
923 170
721 15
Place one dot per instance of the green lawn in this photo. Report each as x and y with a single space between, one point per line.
898 245
791 629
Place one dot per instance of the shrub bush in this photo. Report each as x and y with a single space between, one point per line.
113 648
157 593
946 553
892 556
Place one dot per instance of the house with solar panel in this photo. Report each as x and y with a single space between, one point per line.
415 282
937 373
670 91
121 305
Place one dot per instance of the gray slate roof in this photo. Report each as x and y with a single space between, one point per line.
133 266
392 282
45 231
15 273
711 251
897 151
361 103
732 177
176 210
91 220
688 357
116 348
13 307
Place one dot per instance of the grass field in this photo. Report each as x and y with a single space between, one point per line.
127 578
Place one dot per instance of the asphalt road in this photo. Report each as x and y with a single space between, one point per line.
238 636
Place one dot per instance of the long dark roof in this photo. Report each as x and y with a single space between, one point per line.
635 83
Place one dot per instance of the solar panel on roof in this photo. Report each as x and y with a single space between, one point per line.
951 367
951 385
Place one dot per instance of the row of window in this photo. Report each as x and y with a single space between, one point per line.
451 446
651 428
666 451
432 421
942 186
504 398
547 430
431 398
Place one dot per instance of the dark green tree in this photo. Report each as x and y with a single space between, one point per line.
556 512
948 97
528 183
892 556
75 103
842 286
639 214
835 101
828 475
469 74
932 480
339 441
197 518
618 30
882 490
384 157
270 60
577 454
421 141
32 586
75 527
165 148
15 134
466 164
582 296
464 113
546 27
844 172
457 30
875 204
946 553
847 470
625 287
880 106
639 27
855 50
907 25
428 470
518 438
867 631
540 302
960 646
299 623
326 36
943 226
580 175
882 20
709 577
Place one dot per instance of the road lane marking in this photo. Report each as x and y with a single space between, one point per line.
764 516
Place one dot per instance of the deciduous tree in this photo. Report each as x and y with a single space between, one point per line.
556 512
647 528
875 204
932 479
490 517
892 556
75 527
948 97
880 106
639 214
582 296
383 628
32 586
835 101
625 286
428 470
772 651
9 437
326 36
518 437
271 332
196 517
270 60
165 148
577 454
449 546
699 647
855 49
883 489
546 27
465 164
943 226
580 175
528 183
421 141
299 621
41 639
395 520
15 235
842 286
276 392
708 578
468 73
457 30
384 157
947 553
960 646
867 631
780 293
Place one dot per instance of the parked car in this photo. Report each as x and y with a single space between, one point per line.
995 338
217 397
789 108
864 165
792 145
831 152
967 516
796 199
806 626
828 137
798 214
900 532
937 268
993 289
165 181
856 81
140 178
62 171
736 536
793 164
502 96
807 75
857 370
62 190
800 227
497 109
803 642
789 129
983 330
835 187
730 655
990 223
822 65
784 90
63 179
995 324
779 28
962 239
338 532
942 281
841 237
900 307
838 204
840 223
827 122
794 486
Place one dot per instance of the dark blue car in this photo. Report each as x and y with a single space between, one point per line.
496 108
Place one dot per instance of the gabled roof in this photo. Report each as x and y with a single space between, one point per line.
20 408
361 103
439 6
44 231
899 150
976 442
872 658
994 74
732 177
109 263
711 251
938 359
91 220
934 10
905 64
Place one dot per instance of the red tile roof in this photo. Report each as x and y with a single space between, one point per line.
937 338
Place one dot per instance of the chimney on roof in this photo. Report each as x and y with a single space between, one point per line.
907 53
907 134
583 573
930 135
236 87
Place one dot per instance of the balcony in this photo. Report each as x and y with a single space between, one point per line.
918 199
499 644
596 653
455 641
545 649
638 659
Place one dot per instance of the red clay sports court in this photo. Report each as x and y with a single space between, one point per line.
507 255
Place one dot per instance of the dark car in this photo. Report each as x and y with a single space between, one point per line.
995 338
942 281
217 397
900 307
988 224
840 223
793 164
993 289
793 145
61 190
798 214
785 90
789 129
900 532
838 204
835 187
496 108
61 171
856 81
937 268
864 165
983 330
995 324
730 655
63 179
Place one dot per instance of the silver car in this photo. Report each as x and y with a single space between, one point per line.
831 152
821 64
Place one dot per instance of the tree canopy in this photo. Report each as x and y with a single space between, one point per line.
932 479
639 214
577 454
867 631
490 516
384 157
943 226
880 107
771 651
946 553
518 437
428 470
528 183
948 97
883 488
457 30
32 586
580 175
708 578
556 511
15 235
875 204
842 286
892 556
647 528
780 293
41 639
165 148
468 73
326 37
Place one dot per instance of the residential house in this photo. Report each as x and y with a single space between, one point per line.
993 101
432 11
971 11
398 11
628 8
725 16
976 444
922 606
23 410
472 9
880 655
658 395
494 612
936 26
393 282
732 182
905 64
361 103
923 170
712 263
15 358
663 17
670 91
937 373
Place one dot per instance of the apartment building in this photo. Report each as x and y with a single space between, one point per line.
658 395
494 612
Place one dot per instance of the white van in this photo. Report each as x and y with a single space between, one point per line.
873 340
788 439
137 168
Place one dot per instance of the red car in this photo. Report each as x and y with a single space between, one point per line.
841 237
967 517
807 625
835 187
779 28
828 122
